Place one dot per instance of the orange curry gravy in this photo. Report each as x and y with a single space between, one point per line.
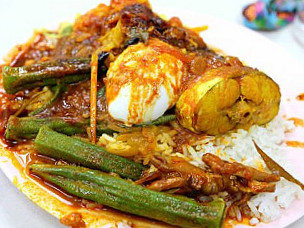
295 144
300 97
297 121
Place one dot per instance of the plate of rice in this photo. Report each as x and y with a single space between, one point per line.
129 117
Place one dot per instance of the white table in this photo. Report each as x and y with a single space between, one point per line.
17 20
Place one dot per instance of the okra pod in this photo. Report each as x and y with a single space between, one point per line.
56 145
126 196
28 127
161 120
46 73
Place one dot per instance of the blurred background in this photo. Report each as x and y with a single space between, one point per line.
18 18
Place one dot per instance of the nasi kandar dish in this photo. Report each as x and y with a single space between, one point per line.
133 112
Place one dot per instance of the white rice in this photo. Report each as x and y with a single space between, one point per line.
122 224
238 146
253 221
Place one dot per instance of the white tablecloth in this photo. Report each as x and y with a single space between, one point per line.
17 20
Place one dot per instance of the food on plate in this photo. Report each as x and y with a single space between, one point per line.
44 74
144 82
53 144
123 195
227 98
126 111
184 177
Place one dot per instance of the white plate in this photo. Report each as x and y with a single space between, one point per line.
258 52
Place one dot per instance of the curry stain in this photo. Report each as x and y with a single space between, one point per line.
297 121
295 144
199 29
300 97
73 220
230 222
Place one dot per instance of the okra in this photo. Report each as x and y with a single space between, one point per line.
159 121
74 150
129 197
28 127
46 73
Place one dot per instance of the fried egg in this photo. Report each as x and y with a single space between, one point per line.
144 81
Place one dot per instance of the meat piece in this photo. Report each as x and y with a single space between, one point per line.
141 17
223 167
182 177
168 183
138 22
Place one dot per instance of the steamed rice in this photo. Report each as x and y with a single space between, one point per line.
237 146
122 224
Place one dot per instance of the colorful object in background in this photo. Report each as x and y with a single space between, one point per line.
301 11
298 28
270 14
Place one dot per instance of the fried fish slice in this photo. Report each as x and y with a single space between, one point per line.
226 98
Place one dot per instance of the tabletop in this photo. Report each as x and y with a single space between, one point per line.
17 20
